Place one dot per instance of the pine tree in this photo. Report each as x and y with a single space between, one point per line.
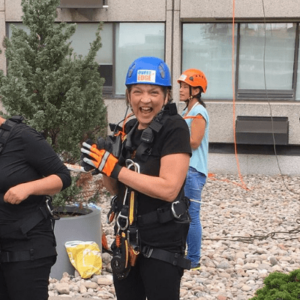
58 92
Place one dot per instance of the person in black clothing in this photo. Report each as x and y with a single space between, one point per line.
30 170
148 177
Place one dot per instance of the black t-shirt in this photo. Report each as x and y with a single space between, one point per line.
26 157
173 138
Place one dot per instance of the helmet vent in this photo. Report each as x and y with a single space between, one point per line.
162 71
130 71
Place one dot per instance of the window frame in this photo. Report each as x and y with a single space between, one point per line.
260 95
109 91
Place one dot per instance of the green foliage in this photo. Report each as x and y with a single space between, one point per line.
70 195
58 92
279 286
73 194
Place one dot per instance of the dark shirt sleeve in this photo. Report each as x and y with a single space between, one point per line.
176 137
40 155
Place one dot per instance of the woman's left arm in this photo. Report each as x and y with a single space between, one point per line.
49 185
167 185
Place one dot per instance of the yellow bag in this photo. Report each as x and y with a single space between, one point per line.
85 257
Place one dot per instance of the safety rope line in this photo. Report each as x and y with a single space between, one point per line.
251 238
243 185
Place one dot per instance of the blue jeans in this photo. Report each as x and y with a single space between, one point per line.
193 187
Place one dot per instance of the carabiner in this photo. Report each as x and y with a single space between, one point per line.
122 217
130 163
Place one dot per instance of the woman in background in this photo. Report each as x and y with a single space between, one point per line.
192 84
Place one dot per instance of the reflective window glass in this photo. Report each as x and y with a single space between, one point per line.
266 56
208 47
132 41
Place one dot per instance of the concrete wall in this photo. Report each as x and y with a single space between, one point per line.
118 11
216 9
221 117
254 164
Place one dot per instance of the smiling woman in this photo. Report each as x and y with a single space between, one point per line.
147 178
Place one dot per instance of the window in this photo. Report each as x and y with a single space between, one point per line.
266 60
81 40
208 47
266 63
132 40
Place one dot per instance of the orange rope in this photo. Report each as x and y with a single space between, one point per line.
123 128
243 185
211 176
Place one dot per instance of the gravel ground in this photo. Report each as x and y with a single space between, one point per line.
250 229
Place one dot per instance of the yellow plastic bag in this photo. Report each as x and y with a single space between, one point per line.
85 257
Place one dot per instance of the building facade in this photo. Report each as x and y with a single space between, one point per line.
248 49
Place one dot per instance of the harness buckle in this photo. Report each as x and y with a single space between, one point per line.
147 252
173 210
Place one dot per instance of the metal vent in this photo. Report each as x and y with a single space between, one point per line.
259 130
81 4
265 95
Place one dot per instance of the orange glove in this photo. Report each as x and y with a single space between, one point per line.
101 159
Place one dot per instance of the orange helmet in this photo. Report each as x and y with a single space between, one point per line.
194 78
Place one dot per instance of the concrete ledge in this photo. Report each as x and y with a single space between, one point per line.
70 298
254 164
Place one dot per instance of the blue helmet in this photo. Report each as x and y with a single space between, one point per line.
148 70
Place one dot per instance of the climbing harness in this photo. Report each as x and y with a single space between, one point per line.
126 247
19 230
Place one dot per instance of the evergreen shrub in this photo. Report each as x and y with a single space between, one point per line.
279 286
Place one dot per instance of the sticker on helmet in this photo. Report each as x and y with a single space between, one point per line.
146 76
182 77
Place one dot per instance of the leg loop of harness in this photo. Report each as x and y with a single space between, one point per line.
174 259
6 257
25 255
20 228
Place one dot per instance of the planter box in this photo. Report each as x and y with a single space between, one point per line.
86 227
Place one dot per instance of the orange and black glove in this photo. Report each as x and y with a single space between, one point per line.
101 159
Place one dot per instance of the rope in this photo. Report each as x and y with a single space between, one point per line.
243 185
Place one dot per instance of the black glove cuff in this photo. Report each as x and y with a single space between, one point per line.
115 173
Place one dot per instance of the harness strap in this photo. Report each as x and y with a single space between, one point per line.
193 117
174 259
26 224
164 214
6 257
145 148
